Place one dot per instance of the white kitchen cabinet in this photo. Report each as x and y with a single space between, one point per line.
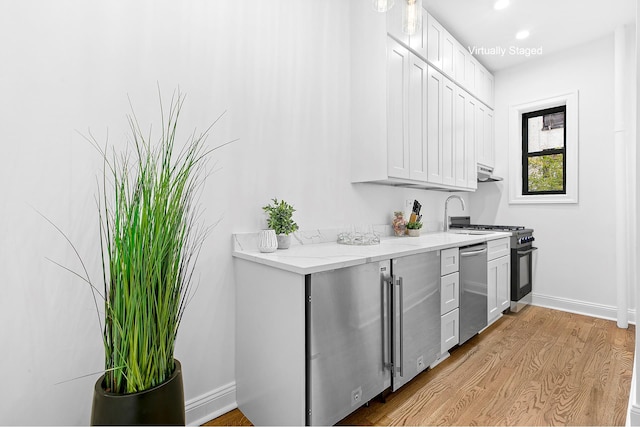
504 284
449 300
418 82
498 248
498 271
450 330
410 127
489 88
470 73
455 61
434 126
484 135
448 55
449 292
481 83
418 42
464 151
449 261
487 141
498 278
448 154
470 140
398 64
407 112
435 41
441 47
460 64
448 114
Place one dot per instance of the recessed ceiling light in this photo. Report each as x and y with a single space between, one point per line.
520 35
501 4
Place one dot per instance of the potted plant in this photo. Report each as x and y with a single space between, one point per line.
281 221
150 239
413 228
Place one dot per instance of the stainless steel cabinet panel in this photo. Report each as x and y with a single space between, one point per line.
347 348
416 319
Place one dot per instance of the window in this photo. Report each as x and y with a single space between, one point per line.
544 152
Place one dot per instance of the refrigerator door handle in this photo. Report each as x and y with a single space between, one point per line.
387 312
400 361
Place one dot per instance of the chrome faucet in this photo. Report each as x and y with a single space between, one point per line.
446 217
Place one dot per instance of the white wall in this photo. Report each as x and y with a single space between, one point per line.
575 266
281 70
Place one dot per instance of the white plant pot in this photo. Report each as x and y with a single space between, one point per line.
267 241
284 241
413 232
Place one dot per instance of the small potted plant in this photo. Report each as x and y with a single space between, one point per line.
281 221
413 228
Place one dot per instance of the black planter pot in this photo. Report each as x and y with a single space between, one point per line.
161 405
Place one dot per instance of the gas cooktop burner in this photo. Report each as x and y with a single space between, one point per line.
464 222
489 227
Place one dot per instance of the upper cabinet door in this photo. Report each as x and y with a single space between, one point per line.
470 73
397 110
448 132
418 81
470 136
481 83
419 41
489 89
448 55
460 148
488 139
480 134
435 41
460 64
434 126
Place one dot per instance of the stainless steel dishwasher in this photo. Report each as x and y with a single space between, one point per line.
473 290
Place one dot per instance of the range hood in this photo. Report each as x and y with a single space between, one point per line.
485 174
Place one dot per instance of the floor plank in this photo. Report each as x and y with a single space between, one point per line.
535 367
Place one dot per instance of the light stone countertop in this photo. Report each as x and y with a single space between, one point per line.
317 257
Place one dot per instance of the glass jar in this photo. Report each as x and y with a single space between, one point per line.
399 223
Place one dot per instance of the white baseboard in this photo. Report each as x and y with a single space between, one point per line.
602 311
211 405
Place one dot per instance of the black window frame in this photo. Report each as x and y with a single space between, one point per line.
526 155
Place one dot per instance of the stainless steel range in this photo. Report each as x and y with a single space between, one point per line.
521 257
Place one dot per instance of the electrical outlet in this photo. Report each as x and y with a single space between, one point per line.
420 363
356 396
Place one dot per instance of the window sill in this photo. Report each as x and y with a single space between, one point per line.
541 199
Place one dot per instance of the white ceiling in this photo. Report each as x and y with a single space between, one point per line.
555 25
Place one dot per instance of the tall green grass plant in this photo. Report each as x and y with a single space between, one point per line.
151 237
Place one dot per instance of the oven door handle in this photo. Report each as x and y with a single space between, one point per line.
528 251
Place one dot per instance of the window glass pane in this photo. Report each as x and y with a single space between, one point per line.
546 173
545 132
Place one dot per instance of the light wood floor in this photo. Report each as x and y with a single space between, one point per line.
536 367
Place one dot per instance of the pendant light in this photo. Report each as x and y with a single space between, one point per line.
411 16
382 5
